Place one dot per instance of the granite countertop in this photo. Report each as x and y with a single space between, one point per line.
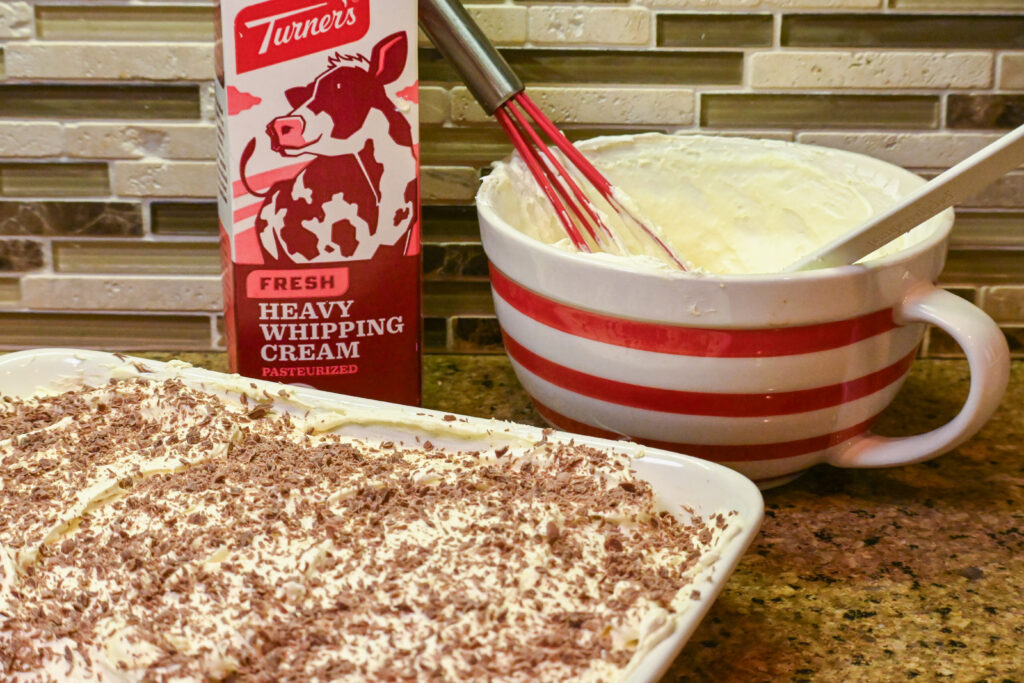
858 575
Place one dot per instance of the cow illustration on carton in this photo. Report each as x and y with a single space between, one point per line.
359 192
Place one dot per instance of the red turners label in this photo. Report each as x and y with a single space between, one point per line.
319 194
277 31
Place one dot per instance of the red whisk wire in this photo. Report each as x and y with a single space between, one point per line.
561 179
528 156
560 141
587 169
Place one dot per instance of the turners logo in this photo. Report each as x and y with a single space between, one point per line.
280 30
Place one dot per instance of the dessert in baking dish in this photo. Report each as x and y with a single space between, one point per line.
153 531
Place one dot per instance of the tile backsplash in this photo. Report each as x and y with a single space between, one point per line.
108 229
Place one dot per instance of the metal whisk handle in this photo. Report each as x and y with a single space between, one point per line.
489 77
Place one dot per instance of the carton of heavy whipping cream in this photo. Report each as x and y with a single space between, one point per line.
319 193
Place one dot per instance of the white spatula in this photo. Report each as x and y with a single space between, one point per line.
960 182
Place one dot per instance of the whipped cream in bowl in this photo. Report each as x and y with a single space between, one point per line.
729 206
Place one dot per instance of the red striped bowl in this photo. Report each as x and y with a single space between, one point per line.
769 374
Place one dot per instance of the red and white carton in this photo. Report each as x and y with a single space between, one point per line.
319 193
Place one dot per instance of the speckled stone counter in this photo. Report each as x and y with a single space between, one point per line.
857 575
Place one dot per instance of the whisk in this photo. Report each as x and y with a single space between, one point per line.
502 95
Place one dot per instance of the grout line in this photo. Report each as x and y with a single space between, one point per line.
214 334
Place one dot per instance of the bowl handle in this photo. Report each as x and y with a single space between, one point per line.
988 358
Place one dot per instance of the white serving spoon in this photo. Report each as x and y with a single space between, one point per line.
960 182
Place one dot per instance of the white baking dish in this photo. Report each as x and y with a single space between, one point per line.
677 479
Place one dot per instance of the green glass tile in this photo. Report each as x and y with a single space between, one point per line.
476 335
448 224
149 258
969 294
999 229
100 101
538 67
62 180
454 146
70 218
21 255
903 30
184 218
941 345
435 335
102 22
985 111
956 4
484 144
819 111
1015 340
983 266
117 332
455 262
10 291
714 30
448 299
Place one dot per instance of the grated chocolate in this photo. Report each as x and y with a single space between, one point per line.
151 531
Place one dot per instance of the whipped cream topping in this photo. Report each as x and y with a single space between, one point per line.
726 205
149 530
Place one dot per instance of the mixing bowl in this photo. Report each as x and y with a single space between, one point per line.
767 372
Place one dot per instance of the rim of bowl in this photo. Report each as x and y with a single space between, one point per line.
940 232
